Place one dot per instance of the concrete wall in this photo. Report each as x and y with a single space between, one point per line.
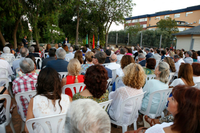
196 43
183 42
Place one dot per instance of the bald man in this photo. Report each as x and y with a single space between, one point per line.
113 65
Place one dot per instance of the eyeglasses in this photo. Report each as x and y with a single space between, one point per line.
94 57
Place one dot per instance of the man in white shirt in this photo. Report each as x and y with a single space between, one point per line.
70 55
121 54
178 62
4 64
188 58
9 57
113 65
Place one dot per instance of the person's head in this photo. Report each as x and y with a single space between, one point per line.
25 37
134 76
141 56
108 52
147 50
27 65
48 47
33 59
163 52
186 72
49 84
157 51
31 49
87 46
113 58
184 105
66 39
198 53
52 52
71 49
194 55
171 64
188 54
74 68
24 52
122 51
65 47
99 58
96 78
180 54
196 69
78 55
60 53
86 116
162 72
129 50
171 53
126 59
88 56
151 63
56 46
176 57
6 50
84 49
76 47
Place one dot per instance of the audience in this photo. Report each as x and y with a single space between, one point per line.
121 54
113 65
156 55
188 58
141 59
149 54
78 55
48 47
134 79
194 56
26 82
129 51
163 52
60 59
150 66
49 99
70 55
171 64
52 53
108 53
178 62
88 57
196 72
96 84
32 50
9 57
86 116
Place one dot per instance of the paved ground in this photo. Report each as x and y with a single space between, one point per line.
17 123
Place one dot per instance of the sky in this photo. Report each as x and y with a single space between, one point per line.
151 6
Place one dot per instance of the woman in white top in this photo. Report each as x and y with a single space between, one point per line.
185 76
184 105
196 72
48 100
134 79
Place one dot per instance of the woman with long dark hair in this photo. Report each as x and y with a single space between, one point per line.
48 100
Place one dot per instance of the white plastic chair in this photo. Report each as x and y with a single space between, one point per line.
113 75
150 76
105 105
164 94
67 59
46 54
198 85
63 74
28 95
4 81
3 73
109 87
56 123
7 114
136 102
117 82
75 88
170 77
9 58
38 61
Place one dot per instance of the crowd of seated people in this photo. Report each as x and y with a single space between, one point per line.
93 69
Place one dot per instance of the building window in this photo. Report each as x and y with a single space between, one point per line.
128 21
135 20
144 25
142 19
149 19
166 16
177 15
157 18
187 13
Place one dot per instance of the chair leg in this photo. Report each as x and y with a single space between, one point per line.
12 127
22 128
2 128
135 125
124 129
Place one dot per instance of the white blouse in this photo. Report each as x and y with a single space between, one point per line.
176 82
158 128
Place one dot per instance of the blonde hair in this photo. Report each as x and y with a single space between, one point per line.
89 55
163 67
74 68
172 53
134 76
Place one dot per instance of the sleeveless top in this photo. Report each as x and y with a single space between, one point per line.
71 79
2 110
42 106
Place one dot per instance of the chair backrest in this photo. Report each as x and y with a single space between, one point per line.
3 73
150 76
170 77
198 85
49 124
109 81
136 102
38 61
28 95
9 58
67 59
164 94
8 102
105 105
117 82
74 88
113 75
4 81
46 54
105 64
63 74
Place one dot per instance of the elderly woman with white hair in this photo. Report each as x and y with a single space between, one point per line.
7 55
86 116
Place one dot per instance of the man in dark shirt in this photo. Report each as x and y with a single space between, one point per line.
52 53
25 42
108 52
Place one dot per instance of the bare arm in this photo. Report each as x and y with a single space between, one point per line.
63 82
29 113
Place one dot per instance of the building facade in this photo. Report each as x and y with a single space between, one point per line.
186 18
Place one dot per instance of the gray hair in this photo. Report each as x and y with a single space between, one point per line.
141 55
60 53
176 56
122 51
189 53
70 49
31 49
27 65
6 49
163 67
24 52
86 116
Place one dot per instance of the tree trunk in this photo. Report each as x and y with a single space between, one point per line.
106 38
77 26
15 33
2 39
